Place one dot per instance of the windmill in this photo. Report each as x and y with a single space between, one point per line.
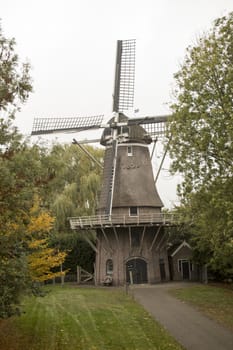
128 221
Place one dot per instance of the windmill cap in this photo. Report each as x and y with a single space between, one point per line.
128 133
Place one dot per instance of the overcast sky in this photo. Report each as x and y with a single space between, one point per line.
71 46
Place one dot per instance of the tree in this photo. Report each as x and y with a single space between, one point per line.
58 176
15 86
72 191
201 144
15 82
41 258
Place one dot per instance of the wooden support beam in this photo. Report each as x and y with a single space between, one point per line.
152 153
130 239
161 240
155 237
91 243
161 164
116 235
75 142
106 239
142 239
97 239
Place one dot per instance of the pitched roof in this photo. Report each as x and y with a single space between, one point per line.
183 244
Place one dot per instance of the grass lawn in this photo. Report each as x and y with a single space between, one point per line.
215 302
83 318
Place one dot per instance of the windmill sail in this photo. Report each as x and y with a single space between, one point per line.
123 96
154 126
51 125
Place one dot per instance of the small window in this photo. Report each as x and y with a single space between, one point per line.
130 151
133 211
109 267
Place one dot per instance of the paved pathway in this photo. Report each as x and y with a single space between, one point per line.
192 329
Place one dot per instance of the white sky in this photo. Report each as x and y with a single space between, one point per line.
71 46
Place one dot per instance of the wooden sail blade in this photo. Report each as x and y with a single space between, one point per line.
123 96
54 125
154 126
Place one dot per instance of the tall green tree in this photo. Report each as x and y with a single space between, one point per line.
73 182
201 145
72 191
65 181
15 86
21 175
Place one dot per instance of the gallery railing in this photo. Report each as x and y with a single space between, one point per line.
87 222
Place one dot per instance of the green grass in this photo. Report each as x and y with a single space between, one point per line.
215 302
83 318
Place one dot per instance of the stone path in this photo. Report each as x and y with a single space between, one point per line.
191 328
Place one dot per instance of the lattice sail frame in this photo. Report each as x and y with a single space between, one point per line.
123 96
51 125
154 126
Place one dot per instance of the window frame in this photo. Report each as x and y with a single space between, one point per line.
109 267
179 265
133 214
130 151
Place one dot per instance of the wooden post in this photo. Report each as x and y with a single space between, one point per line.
95 275
62 276
131 276
78 274
205 274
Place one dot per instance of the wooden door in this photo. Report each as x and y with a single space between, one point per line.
185 270
136 271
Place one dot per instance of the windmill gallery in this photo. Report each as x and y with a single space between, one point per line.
131 229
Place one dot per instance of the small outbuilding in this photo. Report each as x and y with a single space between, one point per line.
182 267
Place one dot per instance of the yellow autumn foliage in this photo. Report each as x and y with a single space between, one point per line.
42 258
42 223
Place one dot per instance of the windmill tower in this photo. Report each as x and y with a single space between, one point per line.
130 227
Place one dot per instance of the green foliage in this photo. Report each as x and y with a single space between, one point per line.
15 179
20 173
74 185
82 255
13 280
15 82
64 179
72 191
202 124
202 144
